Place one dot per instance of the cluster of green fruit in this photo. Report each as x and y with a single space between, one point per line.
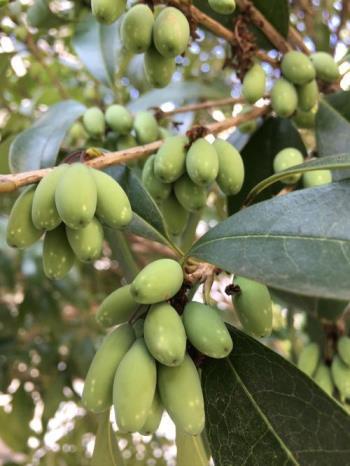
144 369
338 375
70 204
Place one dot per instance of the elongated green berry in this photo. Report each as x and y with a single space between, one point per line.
136 29
119 119
170 160
223 7
94 122
126 142
341 377
284 98
154 417
323 378
158 190
254 84
158 69
308 95
317 178
344 349
146 128
309 358
107 11
305 120
117 308
297 67
87 242
171 32
191 196
231 168
288 158
325 66
176 217
58 257
202 162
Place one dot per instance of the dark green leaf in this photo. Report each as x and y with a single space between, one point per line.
106 451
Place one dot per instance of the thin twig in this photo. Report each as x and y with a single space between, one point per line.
204 105
296 38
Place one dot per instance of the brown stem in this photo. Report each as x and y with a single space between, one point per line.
204 105
295 37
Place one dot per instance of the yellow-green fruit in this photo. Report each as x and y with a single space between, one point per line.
284 98
202 162
146 128
94 122
126 142
113 205
136 29
317 178
21 232
223 7
158 281
305 120
154 417
158 69
254 307
170 160
44 211
76 196
119 119
107 11
231 168
308 358
134 387
181 395
325 66
341 377
308 95
176 217
248 127
158 190
206 330
98 387
191 196
138 327
288 158
77 132
58 257
87 242
171 32
118 307
254 84
165 335
323 378
344 349
164 133
297 67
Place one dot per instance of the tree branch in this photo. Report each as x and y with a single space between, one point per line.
295 37
202 106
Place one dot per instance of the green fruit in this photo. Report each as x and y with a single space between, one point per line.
202 162
325 66
146 128
206 330
330 309
308 95
254 84
44 211
176 217
154 417
165 335
117 308
58 257
119 119
191 196
231 167
305 120
136 29
171 32
134 387
317 178
288 158
113 206
107 11
76 207
170 160
323 379
87 242
309 358
223 7
158 281
94 122
126 142
284 98
21 232
181 394
98 387
341 377
77 132
138 327
249 126
297 67
254 307
164 133
344 349
158 69
158 190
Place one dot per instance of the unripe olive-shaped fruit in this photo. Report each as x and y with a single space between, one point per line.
87 242
21 232
44 211
297 67
118 307
285 159
158 69
202 162
305 120
138 327
344 349
170 160
231 168
134 387
254 307
165 335
158 281
331 309
107 11
325 66
58 257
158 190
136 29
317 178
171 32
146 128
98 387
191 196
126 142
113 205
154 417
164 133
323 378
284 98
181 395
254 84
176 217
76 207
94 122
341 377
119 119
77 132
308 358
206 330
223 7
308 95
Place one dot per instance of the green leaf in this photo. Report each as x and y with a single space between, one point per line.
299 242
106 451
261 410
38 146
190 450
